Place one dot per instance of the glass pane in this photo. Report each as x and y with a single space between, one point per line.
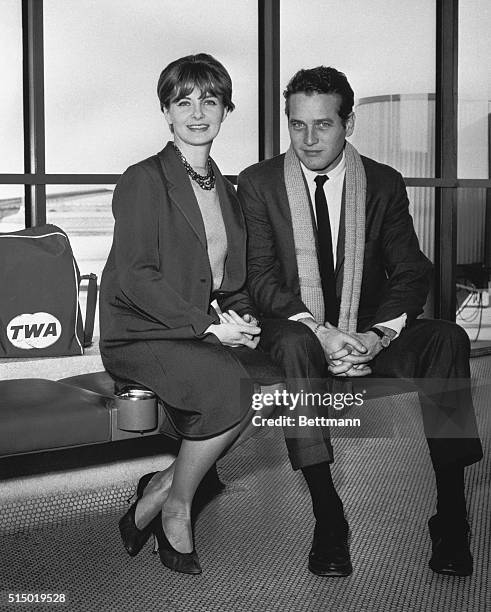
422 209
102 63
474 105
386 48
84 213
398 130
474 263
11 125
12 216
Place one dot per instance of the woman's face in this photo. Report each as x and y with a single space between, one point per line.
195 119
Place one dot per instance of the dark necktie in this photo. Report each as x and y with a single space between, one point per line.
326 259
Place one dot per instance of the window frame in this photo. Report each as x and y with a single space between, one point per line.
446 181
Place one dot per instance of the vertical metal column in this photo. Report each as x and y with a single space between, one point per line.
446 157
269 78
33 85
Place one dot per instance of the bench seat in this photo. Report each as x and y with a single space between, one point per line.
38 414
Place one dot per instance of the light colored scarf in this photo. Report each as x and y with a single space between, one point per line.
305 243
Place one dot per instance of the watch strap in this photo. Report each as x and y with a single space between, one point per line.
378 331
387 331
386 335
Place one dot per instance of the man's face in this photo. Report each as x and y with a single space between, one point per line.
316 130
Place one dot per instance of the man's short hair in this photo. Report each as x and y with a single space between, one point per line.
322 79
180 77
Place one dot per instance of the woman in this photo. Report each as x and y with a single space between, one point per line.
179 246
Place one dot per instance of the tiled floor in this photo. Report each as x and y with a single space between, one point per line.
253 540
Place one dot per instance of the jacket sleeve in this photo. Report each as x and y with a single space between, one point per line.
408 270
240 301
136 248
265 280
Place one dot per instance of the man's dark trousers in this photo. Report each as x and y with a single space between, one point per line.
432 350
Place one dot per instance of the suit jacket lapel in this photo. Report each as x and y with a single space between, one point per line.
181 192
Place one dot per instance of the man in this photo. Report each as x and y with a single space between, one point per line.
335 269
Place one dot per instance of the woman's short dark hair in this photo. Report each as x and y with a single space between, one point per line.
322 80
179 78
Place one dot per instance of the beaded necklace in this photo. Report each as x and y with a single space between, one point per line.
207 181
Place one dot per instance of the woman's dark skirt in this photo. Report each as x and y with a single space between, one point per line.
206 388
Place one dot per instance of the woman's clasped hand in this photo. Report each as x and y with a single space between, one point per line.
234 330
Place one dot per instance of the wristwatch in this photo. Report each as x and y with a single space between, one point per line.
385 334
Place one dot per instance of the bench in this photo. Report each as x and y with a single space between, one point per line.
38 414
71 402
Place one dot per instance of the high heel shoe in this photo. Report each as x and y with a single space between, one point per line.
185 563
133 538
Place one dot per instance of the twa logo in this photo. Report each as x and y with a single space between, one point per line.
33 331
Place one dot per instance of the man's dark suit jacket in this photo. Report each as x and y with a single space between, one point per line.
395 273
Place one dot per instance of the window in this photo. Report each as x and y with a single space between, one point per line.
474 105
12 216
422 209
473 265
102 63
398 130
84 213
11 137
386 49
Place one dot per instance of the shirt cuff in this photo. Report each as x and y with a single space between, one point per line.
216 307
300 315
397 324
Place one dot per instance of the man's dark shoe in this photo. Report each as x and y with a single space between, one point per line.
450 543
329 555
